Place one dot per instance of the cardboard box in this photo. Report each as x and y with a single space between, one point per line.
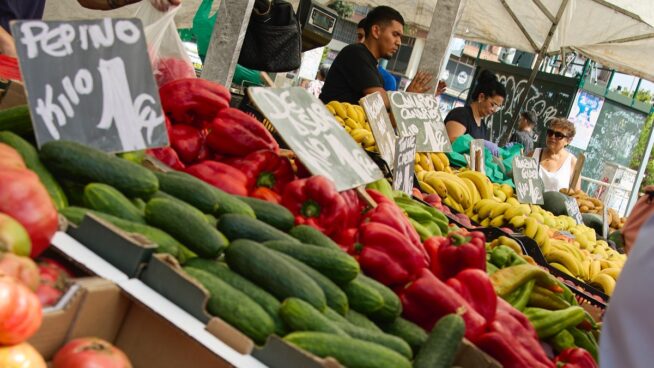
12 93
100 308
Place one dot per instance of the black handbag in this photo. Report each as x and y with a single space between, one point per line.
273 41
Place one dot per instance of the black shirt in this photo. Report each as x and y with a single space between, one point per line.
464 116
524 138
354 70
19 9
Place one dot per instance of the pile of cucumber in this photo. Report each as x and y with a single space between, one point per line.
265 276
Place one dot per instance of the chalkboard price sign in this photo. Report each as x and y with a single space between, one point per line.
90 81
404 161
528 184
573 209
310 130
418 114
380 122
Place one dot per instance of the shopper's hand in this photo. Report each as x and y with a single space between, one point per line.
492 147
509 145
7 46
440 88
420 83
164 5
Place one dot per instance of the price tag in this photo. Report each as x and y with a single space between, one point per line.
90 81
477 157
528 184
605 222
404 164
418 114
382 128
573 209
308 128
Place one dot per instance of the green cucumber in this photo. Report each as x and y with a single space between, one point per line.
186 205
187 226
350 352
271 272
31 157
17 120
302 316
442 345
408 331
74 160
268 302
165 243
244 227
271 213
201 195
381 338
310 235
336 298
337 265
363 298
335 316
139 204
360 320
74 191
211 219
392 307
234 306
105 198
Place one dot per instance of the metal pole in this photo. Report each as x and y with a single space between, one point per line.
633 197
582 80
633 98
541 55
608 84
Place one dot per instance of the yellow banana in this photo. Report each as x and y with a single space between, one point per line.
546 247
561 268
438 164
359 134
426 187
436 183
541 234
481 181
485 222
417 169
526 208
330 109
606 282
453 204
584 269
425 162
497 221
499 195
361 113
340 121
566 259
513 201
531 227
595 269
455 186
506 188
499 209
486 209
368 140
482 203
352 113
538 217
472 189
417 158
511 243
517 222
443 157
353 124
513 211
339 109
613 271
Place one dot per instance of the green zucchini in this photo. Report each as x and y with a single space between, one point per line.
442 345
272 214
105 198
244 227
302 316
271 272
235 307
187 226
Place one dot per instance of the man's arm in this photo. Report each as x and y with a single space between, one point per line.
371 90
162 5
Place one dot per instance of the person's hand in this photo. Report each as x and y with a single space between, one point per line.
7 46
440 88
509 145
420 83
492 147
164 5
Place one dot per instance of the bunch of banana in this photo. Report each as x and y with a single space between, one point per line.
502 191
432 161
455 192
353 119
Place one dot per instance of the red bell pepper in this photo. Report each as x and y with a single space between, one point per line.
315 202
575 358
187 141
193 101
399 250
23 197
346 239
388 213
427 299
355 208
236 133
266 169
167 69
168 156
221 176
266 195
456 252
475 287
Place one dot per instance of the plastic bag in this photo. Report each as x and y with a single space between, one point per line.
167 53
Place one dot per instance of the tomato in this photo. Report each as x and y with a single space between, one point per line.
23 197
21 356
20 312
48 295
10 158
90 352
22 269
13 236
54 281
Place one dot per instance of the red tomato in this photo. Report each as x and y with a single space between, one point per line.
10 158
90 352
21 356
20 312
20 268
48 295
13 236
23 197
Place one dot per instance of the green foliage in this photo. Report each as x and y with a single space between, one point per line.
343 8
639 153
643 95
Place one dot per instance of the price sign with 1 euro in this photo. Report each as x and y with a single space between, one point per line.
418 114
317 139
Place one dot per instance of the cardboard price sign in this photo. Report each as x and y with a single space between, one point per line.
404 160
572 208
311 131
528 184
417 114
382 128
90 81
477 155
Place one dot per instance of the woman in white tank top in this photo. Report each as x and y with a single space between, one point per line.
555 163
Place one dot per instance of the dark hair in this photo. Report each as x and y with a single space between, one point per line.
563 124
362 23
323 70
529 116
488 84
382 16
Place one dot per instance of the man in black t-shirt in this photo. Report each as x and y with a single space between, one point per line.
354 73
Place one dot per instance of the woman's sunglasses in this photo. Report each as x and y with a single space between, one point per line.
557 135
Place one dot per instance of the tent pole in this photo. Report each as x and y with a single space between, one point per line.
539 59
226 40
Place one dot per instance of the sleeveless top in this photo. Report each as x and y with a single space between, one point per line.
553 181
464 116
